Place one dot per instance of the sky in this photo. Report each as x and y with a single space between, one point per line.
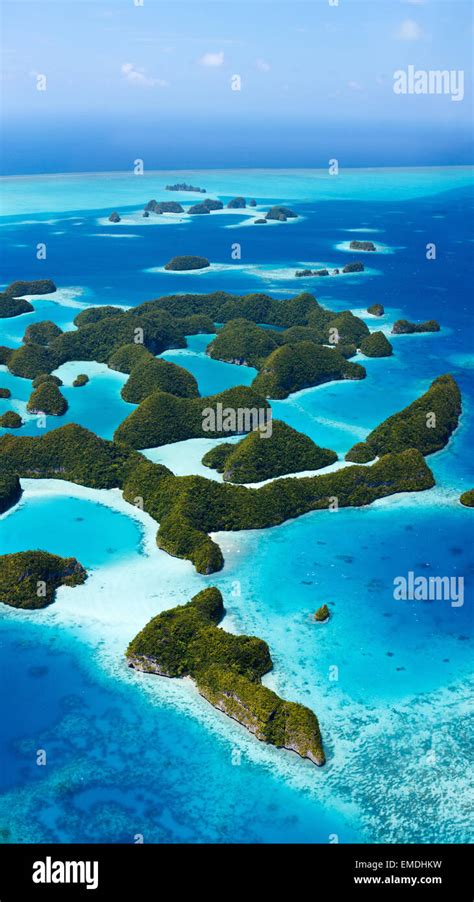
130 79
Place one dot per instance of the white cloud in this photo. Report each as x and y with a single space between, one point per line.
212 59
354 86
409 31
138 77
263 66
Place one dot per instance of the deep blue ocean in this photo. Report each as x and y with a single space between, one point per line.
130 755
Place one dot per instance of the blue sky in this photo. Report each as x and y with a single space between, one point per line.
312 75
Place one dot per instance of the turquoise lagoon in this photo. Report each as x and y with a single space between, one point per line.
131 754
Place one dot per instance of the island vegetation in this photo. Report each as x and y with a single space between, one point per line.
405 327
10 306
10 491
37 286
114 217
281 213
467 498
183 186
29 579
5 393
426 424
237 203
42 333
47 399
376 345
10 420
187 262
190 507
80 380
46 377
293 367
376 309
322 614
255 459
151 373
356 245
227 669
163 418
163 206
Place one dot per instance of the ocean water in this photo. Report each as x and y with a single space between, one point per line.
388 679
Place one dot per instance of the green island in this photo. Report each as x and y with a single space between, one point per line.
10 491
227 669
322 614
37 286
467 498
426 424
255 459
405 327
281 213
163 418
150 374
198 209
10 306
183 186
11 420
293 367
189 507
163 206
80 380
29 579
376 309
47 399
357 245
187 262
46 377
42 333
237 203
5 393
376 345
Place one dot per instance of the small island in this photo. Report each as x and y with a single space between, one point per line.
47 399
163 206
187 262
467 498
29 579
353 267
10 306
322 614
183 186
227 669
237 203
376 310
11 420
37 286
199 209
376 345
114 217
80 380
5 393
255 459
303 365
405 327
151 373
281 214
362 246
46 377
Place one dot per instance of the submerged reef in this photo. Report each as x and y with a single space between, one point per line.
227 669
255 458
29 579
427 424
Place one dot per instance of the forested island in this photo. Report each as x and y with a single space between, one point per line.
29 579
227 669
255 459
